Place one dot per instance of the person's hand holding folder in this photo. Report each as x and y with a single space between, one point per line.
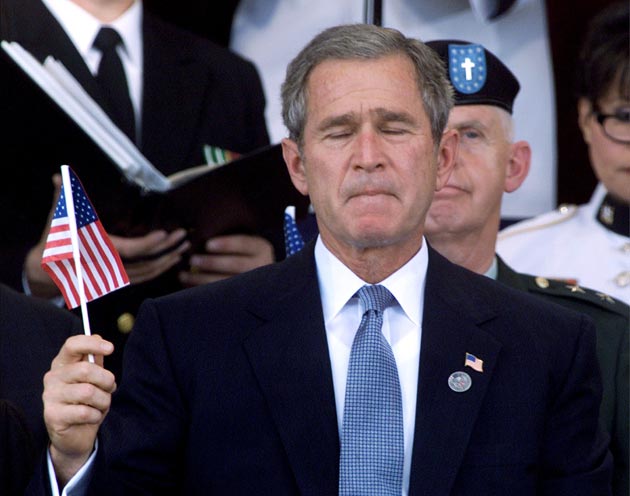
227 256
138 254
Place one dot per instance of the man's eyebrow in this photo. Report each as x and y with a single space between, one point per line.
385 115
337 120
382 115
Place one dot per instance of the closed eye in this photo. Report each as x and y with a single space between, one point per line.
335 135
394 131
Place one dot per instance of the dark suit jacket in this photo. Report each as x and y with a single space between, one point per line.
227 389
16 450
611 321
194 93
31 333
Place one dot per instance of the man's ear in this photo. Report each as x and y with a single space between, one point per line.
585 110
518 165
295 165
447 155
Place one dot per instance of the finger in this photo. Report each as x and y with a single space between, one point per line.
144 271
238 244
78 394
76 348
81 372
223 264
151 243
71 415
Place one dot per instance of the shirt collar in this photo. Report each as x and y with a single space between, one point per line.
614 215
82 27
337 283
493 271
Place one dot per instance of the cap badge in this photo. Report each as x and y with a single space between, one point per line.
467 67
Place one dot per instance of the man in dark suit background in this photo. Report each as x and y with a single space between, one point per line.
31 332
186 92
247 386
16 450
463 221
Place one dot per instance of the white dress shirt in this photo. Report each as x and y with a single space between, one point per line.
82 28
402 327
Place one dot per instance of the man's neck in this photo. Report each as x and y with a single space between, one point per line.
374 265
474 251
105 10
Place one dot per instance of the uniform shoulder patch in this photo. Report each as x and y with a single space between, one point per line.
569 289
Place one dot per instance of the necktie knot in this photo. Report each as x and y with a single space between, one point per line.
107 39
375 297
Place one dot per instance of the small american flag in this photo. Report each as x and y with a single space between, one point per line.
293 241
473 362
102 269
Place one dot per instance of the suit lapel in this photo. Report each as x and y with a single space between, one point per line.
445 418
289 356
170 68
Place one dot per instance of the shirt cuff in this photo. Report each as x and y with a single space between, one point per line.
58 301
77 486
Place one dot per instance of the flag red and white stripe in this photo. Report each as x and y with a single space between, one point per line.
102 270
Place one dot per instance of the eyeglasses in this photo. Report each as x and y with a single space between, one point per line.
616 126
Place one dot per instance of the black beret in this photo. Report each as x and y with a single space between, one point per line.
477 75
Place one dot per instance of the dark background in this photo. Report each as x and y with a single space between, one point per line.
567 20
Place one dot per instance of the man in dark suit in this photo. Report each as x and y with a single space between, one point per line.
262 384
31 332
16 450
463 222
185 92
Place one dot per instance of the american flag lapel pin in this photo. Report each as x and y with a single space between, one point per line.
473 362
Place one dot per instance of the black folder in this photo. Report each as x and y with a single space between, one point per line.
247 195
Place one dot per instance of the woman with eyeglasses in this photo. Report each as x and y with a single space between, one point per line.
589 245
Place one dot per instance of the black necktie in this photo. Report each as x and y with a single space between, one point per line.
112 80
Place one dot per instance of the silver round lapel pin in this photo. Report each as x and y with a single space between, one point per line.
459 382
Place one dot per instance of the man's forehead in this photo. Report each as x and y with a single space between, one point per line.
386 83
481 113
341 70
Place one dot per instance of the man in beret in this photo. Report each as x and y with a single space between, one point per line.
463 220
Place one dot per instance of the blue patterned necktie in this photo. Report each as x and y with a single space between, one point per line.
372 446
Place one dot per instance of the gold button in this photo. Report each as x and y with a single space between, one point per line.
623 279
541 282
125 322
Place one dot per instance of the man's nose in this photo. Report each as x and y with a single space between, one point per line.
368 152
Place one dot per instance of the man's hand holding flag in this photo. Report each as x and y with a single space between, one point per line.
79 256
